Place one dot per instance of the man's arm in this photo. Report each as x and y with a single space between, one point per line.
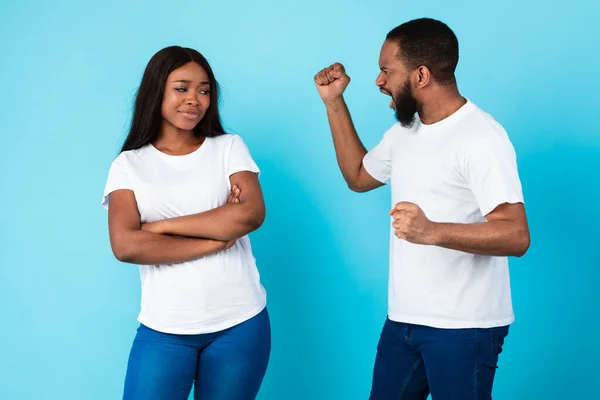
331 83
506 232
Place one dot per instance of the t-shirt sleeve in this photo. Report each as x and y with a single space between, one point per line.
490 168
239 158
378 161
118 178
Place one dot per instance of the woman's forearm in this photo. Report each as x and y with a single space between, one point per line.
228 222
148 248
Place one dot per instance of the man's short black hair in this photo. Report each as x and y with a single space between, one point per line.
430 43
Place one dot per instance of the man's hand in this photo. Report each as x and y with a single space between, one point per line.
331 82
411 224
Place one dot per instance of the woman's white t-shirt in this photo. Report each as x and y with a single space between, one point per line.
205 295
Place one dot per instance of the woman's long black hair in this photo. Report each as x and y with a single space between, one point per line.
147 117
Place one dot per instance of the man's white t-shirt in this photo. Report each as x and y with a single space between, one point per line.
205 295
457 170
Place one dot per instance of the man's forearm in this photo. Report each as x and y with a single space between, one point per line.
349 149
495 238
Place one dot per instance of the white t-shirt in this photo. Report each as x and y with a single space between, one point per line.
205 295
457 170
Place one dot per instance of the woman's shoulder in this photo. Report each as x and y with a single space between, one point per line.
127 157
226 140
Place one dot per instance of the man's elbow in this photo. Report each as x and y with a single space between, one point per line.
362 183
355 186
521 244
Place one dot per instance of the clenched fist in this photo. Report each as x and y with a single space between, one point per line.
411 224
331 82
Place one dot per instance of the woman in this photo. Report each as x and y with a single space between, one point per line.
182 197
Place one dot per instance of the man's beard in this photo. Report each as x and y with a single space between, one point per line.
406 105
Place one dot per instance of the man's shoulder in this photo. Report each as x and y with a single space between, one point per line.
482 120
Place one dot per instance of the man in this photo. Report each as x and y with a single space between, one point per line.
457 214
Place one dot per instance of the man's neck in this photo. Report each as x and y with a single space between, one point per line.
442 104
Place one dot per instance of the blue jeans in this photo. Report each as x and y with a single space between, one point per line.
451 364
225 365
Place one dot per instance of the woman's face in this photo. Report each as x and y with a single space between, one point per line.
186 97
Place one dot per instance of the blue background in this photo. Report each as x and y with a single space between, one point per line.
68 73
